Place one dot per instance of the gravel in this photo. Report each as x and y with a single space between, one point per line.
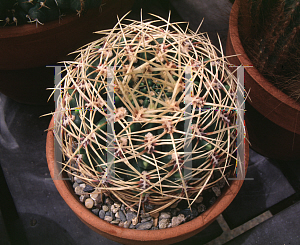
165 215
122 216
105 208
144 226
163 223
118 214
177 220
101 214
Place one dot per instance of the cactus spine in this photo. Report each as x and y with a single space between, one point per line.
158 113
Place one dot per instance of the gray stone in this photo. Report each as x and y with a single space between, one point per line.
178 220
105 208
154 228
122 216
121 224
96 211
130 215
108 213
189 214
165 215
101 214
201 208
212 201
88 188
216 190
132 226
163 223
146 219
144 226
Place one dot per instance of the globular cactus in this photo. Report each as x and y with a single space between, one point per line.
148 114
17 12
270 33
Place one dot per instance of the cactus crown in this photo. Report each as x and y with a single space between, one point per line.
270 33
148 114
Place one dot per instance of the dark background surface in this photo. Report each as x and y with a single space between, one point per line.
32 211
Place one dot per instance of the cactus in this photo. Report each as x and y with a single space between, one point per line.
135 126
272 40
17 12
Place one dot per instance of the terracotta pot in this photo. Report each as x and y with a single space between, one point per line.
26 50
28 46
130 236
274 130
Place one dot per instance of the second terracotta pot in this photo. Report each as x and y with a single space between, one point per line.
26 50
273 118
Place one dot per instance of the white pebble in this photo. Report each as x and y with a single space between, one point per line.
79 190
82 185
108 218
89 203
163 223
178 220
105 208
127 223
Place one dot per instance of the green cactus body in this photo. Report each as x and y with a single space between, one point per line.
17 12
152 115
43 14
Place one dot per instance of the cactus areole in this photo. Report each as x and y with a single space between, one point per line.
148 114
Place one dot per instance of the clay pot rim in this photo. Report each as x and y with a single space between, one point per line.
96 223
32 29
253 72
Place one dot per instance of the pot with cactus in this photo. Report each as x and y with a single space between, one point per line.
147 124
55 28
265 36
